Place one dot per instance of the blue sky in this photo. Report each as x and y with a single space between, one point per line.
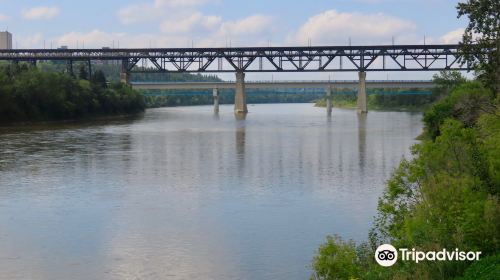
183 23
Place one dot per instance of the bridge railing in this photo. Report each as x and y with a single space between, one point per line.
291 82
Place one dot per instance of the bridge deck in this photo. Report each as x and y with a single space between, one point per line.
282 84
262 59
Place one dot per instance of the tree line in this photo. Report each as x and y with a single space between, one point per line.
164 98
30 94
398 99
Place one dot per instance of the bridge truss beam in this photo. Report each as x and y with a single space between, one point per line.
261 59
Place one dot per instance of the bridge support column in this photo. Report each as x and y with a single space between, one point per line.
124 74
328 101
362 98
69 67
216 100
240 101
125 78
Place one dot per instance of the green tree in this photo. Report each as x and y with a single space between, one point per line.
446 81
98 80
28 94
485 269
466 103
336 259
82 73
482 34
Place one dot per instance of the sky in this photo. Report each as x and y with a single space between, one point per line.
220 23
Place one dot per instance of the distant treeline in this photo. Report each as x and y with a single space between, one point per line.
204 97
29 94
112 69
416 99
377 98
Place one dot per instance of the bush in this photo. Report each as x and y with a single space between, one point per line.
484 269
466 103
27 94
336 259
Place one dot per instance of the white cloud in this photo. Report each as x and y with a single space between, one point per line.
154 10
181 3
93 39
39 13
256 24
332 27
196 22
31 41
184 19
452 37
98 38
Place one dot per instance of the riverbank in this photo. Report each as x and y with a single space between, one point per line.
382 102
28 95
445 196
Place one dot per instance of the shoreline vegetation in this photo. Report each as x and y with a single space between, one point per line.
414 101
447 196
155 99
29 95
46 94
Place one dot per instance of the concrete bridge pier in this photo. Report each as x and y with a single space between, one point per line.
328 101
240 101
216 100
125 78
124 74
362 98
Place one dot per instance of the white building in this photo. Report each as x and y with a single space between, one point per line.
5 40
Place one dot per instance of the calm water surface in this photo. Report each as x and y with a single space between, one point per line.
180 194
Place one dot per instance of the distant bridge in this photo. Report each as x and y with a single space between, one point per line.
425 84
359 59
327 85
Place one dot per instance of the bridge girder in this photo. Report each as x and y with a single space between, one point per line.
272 59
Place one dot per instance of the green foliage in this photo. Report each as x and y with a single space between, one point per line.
98 80
466 103
447 195
204 97
27 94
82 73
380 99
336 259
170 77
481 40
445 82
489 131
484 269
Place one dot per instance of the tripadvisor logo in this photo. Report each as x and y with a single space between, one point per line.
386 255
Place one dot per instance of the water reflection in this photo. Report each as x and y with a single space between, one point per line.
178 194
240 143
240 116
362 140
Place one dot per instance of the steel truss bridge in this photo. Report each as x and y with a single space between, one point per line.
359 59
259 59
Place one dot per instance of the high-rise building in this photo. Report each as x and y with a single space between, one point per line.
5 40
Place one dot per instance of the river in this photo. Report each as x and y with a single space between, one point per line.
178 193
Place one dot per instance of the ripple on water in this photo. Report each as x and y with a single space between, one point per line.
181 194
